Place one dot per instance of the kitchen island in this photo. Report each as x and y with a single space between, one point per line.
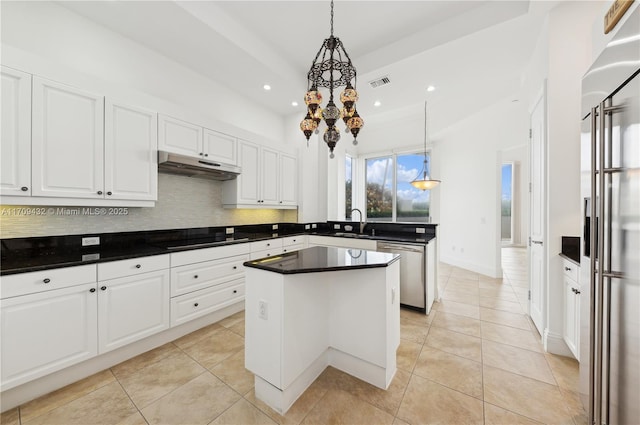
320 307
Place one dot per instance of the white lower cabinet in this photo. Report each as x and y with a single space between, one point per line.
571 331
198 303
47 331
131 308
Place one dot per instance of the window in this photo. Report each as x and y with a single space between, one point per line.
348 191
389 193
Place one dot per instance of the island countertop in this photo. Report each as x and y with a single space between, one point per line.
323 259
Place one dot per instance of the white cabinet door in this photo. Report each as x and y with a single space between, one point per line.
46 332
131 308
288 180
15 148
269 176
130 153
179 136
248 181
220 147
67 141
570 315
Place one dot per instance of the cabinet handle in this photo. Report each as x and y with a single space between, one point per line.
235 267
235 291
206 154
24 188
92 290
576 291
99 192
138 266
103 288
195 276
47 280
567 269
201 153
109 193
195 305
280 201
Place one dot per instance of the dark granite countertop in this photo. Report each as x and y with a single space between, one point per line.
20 255
323 259
571 248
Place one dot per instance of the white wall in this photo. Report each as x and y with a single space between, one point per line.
468 159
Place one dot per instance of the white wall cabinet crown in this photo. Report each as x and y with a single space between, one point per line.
15 148
184 138
268 179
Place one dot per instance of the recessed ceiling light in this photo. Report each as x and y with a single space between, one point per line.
431 88
266 87
294 103
377 103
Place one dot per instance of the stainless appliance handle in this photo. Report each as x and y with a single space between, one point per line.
600 270
397 247
592 272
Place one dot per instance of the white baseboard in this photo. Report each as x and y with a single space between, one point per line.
554 344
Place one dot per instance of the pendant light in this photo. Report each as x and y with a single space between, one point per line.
330 69
426 182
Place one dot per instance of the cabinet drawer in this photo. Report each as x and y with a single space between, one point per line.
33 282
193 277
207 254
116 269
293 240
266 253
190 306
291 248
266 244
570 270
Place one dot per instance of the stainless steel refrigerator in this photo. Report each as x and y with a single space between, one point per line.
610 252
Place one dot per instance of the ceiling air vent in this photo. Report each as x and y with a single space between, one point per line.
380 81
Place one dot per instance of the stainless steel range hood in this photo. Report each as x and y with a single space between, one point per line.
183 165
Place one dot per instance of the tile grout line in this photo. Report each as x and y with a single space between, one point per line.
128 396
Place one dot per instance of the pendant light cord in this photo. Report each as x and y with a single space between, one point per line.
331 18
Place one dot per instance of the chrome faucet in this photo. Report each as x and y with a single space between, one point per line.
362 223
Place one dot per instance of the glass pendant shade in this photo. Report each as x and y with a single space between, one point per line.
313 98
330 114
308 125
425 184
348 97
331 138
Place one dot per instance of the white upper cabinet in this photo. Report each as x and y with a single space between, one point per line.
270 176
219 147
67 141
15 147
179 137
288 180
261 183
184 138
130 152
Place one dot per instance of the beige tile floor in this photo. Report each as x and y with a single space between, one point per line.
475 359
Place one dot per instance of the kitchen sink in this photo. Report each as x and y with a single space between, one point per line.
353 235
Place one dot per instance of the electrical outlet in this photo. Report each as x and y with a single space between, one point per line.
263 309
274 227
91 241
314 225
229 230
307 226
89 257
348 228
336 226
420 230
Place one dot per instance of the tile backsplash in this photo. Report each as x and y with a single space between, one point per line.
183 202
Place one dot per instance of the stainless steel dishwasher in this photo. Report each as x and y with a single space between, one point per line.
412 273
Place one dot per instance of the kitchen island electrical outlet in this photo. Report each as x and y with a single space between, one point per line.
263 309
336 226
314 225
307 226
274 227
229 230
91 241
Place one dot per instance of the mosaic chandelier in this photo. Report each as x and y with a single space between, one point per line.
331 68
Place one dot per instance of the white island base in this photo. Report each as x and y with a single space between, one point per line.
298 324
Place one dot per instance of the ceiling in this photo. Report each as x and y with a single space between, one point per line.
473 52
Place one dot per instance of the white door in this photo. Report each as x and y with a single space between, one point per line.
269 176
131 308
220 147
67 141
15 148
248 180
179 137
288 180
537 264
46 332
130 153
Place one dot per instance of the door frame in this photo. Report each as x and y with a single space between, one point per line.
511 240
